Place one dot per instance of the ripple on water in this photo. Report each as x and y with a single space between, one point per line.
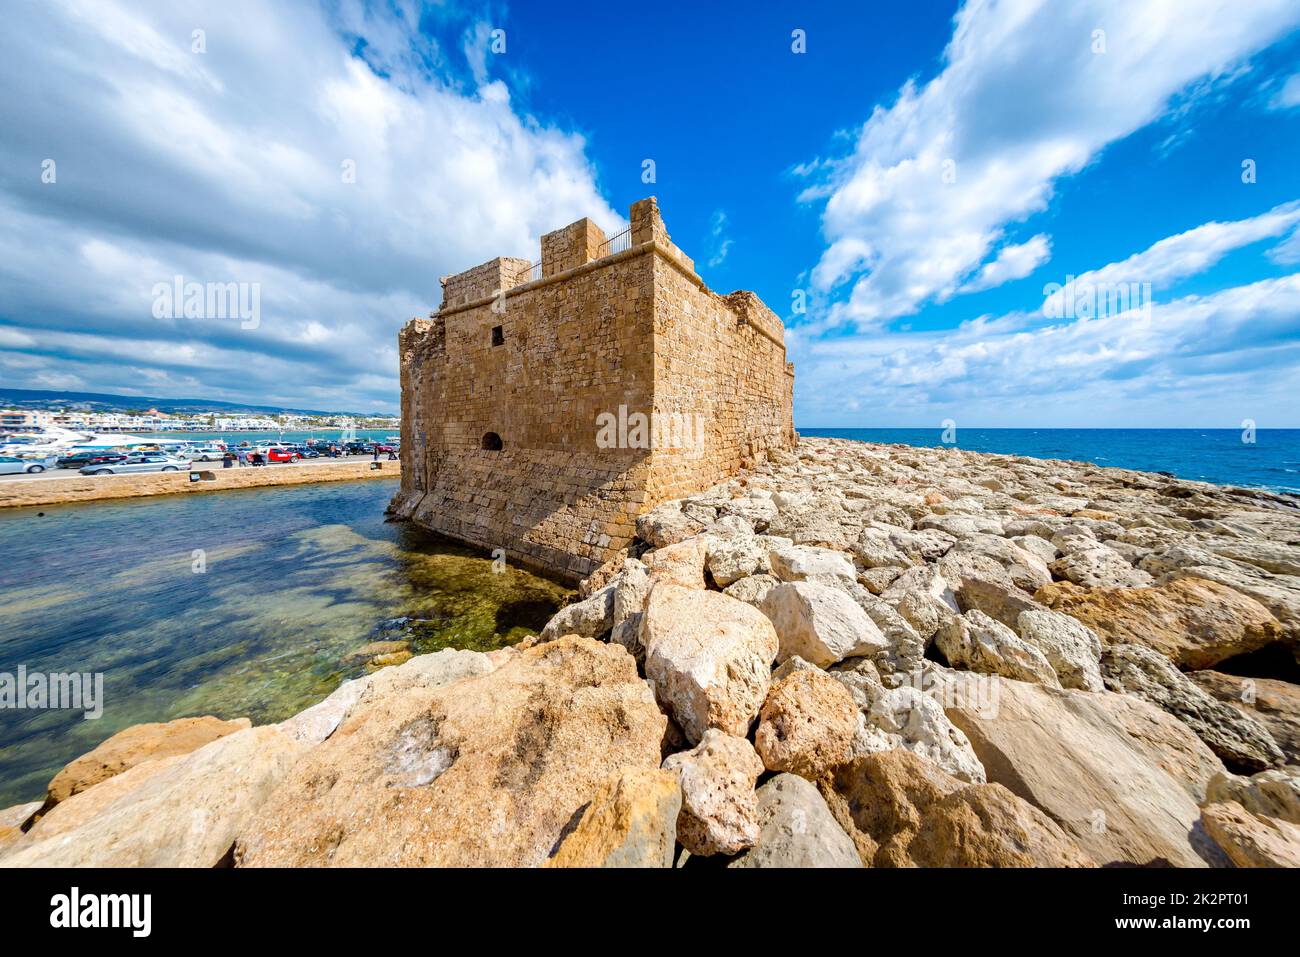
291 580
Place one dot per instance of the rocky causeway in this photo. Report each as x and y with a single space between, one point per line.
845 655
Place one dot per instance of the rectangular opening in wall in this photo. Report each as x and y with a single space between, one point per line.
498 336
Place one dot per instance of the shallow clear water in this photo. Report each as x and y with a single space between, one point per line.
293 580
1271 461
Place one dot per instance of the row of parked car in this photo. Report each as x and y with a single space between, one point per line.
102 462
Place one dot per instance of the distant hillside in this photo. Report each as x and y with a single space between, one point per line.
106 402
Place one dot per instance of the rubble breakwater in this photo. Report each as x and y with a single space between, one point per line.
846 655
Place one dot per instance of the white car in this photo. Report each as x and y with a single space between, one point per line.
208 454
138 463
9 465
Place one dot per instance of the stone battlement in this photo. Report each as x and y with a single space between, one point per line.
510 388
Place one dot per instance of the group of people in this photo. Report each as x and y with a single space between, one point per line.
237 458
242 457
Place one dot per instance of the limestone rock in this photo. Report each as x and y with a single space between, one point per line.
135 745
999 601
666 524
1275 793
630 822
977 642
1120 776
187 815
490 770
1238 739
1275 704
681 563
820 623
590 618
1252 840
796 829
882 545
1069 646
924 598
985 825
1193 622
423 671
751 590
907 717
902 811
1025 569
731 559
807 724
1099 567
794 563
719 808
631 587
12 820
708 656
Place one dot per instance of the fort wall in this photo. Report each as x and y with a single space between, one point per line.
504 389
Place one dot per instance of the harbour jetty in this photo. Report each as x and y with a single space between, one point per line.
845 655
58 489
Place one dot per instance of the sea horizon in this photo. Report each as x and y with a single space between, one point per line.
1267 459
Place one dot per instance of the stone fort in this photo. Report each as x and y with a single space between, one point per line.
546 405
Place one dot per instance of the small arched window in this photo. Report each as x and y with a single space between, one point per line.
492 442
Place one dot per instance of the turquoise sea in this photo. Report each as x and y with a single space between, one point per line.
239 603
1270 461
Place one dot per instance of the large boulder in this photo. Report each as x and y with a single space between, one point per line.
1099 567
821 623
1069 646
796 829
12 821
1193 622
630 822
590 618
907 717
487 771
976 642
719 808
807 724
1025 569
1120 776
796 563
1275 793
681 563
925 599
1275 704
708 656
666 524
1240 740
733 558
136 745
186 815
1249 839
902 811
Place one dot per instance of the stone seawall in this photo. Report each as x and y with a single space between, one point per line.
89 488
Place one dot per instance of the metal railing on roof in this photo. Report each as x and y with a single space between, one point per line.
615 244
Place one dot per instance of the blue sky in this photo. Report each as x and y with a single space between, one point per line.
917 177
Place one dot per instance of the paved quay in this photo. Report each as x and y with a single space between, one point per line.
61 486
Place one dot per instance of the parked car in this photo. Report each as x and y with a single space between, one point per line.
280 453
10 465
209 453
139 463
357 448
306 451
78 460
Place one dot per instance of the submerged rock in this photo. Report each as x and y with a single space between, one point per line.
136 745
